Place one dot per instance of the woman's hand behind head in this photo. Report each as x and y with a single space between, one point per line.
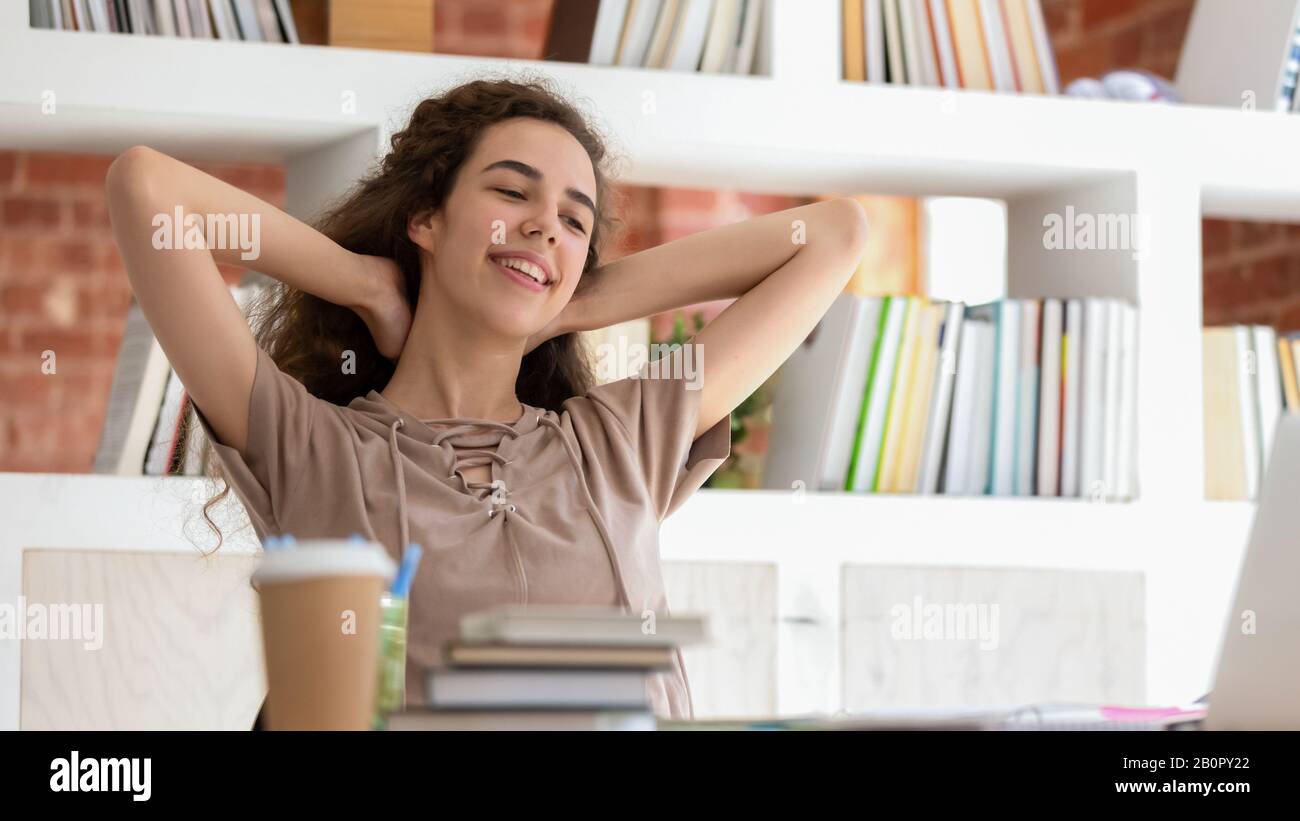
384 308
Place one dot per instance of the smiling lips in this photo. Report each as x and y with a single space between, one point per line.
523 271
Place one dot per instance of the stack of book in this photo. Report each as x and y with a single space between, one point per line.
1019 397
995 45
1250 376
710 36
550 667
149 428
259 20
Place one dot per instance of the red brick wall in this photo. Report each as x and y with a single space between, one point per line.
1091 37
1251 273
63 288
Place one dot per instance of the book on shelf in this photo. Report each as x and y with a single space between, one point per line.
255 20
853 54
1249 379
136 396
1242 55
706 36
999 45
168 441
149 427
638 24
1018 397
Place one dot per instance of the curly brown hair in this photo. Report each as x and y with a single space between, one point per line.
307 336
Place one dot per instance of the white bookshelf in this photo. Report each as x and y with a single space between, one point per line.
800 130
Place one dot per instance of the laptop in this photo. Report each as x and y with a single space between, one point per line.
1257 676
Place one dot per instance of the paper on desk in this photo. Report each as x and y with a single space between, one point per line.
1055 715
1047 715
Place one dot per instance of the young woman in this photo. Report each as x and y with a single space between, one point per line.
416 376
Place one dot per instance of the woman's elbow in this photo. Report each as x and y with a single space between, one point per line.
853 219
129 176
844 237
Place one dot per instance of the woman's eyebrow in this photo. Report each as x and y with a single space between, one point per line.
533 174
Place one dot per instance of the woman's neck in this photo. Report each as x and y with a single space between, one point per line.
450 368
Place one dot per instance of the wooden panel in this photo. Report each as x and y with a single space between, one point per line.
175 643
1024 636
394 25
736 674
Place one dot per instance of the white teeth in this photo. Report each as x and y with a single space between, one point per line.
525 267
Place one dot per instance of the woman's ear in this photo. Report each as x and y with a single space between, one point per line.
423 229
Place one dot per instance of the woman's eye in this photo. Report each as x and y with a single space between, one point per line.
574 221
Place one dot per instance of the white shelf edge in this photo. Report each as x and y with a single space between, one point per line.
261 100
698 531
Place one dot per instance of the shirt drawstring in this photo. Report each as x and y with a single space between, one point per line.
400 478
499 494
596 519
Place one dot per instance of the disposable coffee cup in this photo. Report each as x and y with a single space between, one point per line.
320 632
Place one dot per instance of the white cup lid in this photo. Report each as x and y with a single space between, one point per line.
318 558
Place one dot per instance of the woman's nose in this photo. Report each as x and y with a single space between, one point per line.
546 224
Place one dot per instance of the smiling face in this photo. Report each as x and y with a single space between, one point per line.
522 209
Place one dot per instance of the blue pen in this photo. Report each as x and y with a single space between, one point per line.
406 571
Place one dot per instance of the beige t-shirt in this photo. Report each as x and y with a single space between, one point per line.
572 517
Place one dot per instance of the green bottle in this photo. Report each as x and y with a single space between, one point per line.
390 694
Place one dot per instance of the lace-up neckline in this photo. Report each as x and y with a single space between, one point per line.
484 440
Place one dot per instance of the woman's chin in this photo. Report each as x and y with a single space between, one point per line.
515 327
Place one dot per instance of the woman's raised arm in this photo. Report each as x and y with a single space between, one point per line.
784 269
175 278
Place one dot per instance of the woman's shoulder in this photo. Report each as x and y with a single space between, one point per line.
647 422
291 431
